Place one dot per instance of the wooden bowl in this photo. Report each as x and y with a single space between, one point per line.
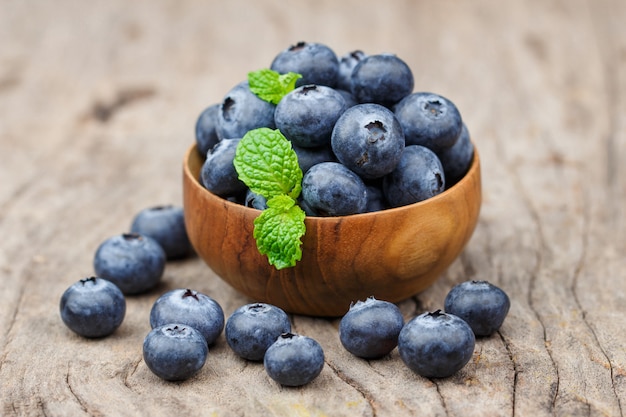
391 254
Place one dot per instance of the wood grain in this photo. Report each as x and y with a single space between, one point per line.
98 103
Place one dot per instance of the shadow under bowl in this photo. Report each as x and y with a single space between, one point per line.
391 254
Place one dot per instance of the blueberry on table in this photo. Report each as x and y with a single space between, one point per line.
166 225
93 307
294 360
206 133
175 351
436 344
218 173
456 160
133 262
316 62
383 79
481 304
429 120
347 63
418 176
368 139
307 115
370 329
190 308
253 328
241 110
331 189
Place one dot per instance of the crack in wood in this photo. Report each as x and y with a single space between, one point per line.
103 112
516 371
358 388
79 400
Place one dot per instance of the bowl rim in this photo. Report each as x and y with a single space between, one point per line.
474 166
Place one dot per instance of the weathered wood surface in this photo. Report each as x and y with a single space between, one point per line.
97 105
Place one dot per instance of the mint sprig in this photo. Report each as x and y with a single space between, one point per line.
268 165
270 85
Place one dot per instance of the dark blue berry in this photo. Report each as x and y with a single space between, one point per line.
436 345
255 200
370 328
241 110
218 173
307 115
481 304
133 262
383 79
253 328
294 360
206 133
190 308
307 157
429 120
317 63
331 189
456 160
93 307
418 176
368 139
174 351
347 63
166 225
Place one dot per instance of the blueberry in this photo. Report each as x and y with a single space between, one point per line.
457 159
481 304
316 62
241 110
294 360
252 328
429 120
368 139
370 328
218 173
166 225
190 308
375 199
347 63
174 351
133 262
307 157
418 176
331 189
436 345
348 97
93 307
307 115
383 79
255 200
206 133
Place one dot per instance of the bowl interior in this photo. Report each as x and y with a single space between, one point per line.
391 254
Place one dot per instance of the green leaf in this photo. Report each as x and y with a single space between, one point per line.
270 85
278 231
267 164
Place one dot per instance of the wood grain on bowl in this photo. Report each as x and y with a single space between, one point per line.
391 254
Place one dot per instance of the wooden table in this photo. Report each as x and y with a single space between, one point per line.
98 102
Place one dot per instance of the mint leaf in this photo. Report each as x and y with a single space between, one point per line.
270 85
278 231
267 164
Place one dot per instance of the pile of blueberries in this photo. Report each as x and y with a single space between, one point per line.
364 140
